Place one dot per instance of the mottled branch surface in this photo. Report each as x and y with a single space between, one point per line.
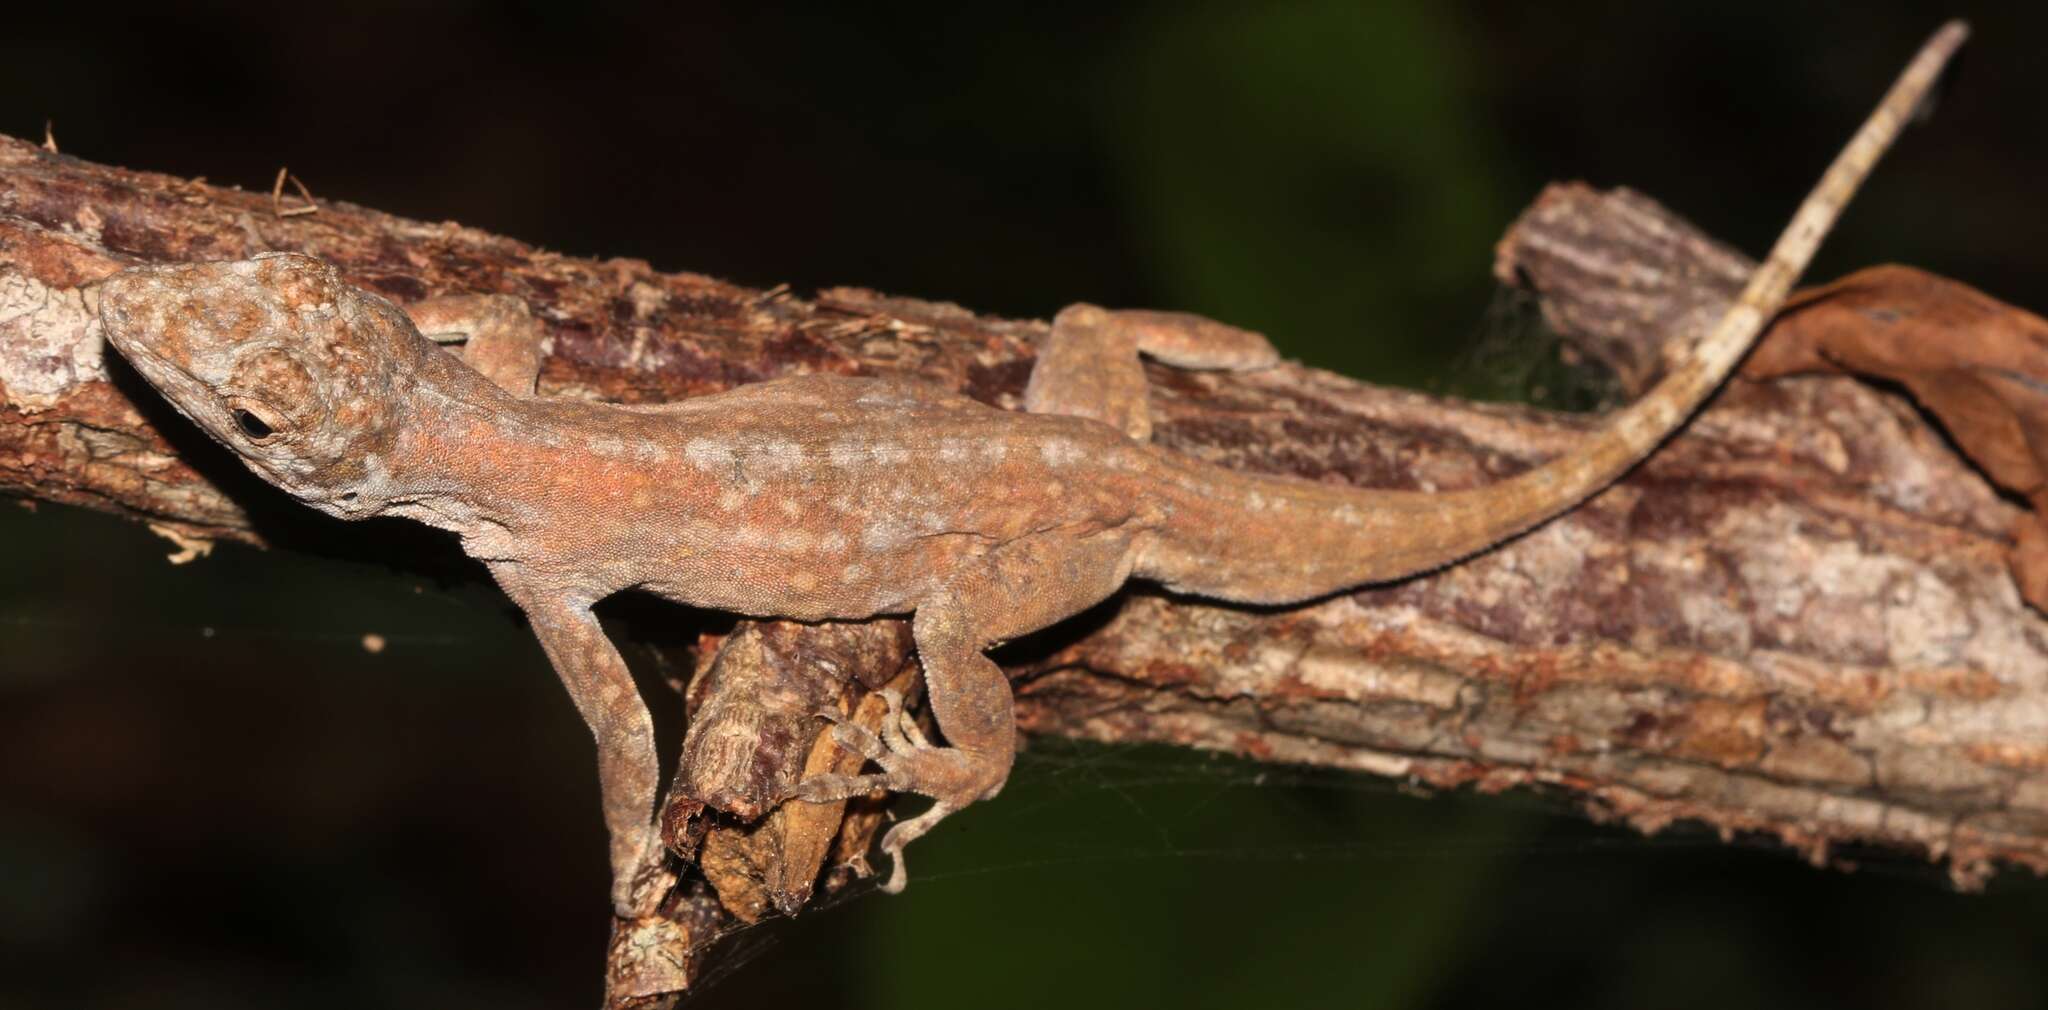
1797 619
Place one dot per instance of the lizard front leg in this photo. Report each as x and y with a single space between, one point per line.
502 340
629 773
1015 589
499 335
1089 366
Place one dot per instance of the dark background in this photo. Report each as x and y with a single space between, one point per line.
212 796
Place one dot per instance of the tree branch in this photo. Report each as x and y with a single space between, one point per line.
1795 620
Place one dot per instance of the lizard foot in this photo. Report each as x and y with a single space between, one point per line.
852 735
899 732
910 763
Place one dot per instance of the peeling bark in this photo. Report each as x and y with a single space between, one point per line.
1795 620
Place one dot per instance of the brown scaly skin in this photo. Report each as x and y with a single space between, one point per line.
823 497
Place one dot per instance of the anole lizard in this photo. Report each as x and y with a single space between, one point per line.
824 497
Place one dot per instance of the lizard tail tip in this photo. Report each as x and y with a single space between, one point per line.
1943 47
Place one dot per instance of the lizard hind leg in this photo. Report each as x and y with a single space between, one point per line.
971 698
1018 588
1089 366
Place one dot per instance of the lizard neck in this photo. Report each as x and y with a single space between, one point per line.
515 475
461 449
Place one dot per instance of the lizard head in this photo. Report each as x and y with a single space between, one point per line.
278 359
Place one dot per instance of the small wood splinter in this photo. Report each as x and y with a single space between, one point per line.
277 207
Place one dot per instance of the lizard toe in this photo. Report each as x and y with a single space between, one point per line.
859 739
833 788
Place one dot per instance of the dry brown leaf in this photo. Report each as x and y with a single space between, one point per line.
1978 365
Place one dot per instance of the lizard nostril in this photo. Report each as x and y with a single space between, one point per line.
113 297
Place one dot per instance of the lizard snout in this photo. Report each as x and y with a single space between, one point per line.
133 307
121 299
172 315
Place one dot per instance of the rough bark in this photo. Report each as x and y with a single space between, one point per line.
1795 620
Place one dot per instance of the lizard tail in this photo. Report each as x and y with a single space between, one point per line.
1380 535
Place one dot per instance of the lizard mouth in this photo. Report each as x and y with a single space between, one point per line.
173 382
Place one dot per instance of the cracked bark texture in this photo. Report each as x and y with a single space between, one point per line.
1795 620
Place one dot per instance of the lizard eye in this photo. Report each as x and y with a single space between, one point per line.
256 421
252 425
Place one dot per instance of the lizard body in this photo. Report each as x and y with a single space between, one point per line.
825 497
